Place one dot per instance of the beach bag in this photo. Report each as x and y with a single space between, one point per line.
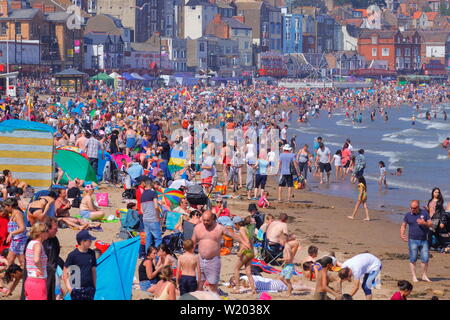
102 199
196 196
76 202
292 168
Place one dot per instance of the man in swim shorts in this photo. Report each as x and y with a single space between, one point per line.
208 235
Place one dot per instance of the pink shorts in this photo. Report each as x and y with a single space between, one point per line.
35 289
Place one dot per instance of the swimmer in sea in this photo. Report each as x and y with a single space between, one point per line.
446 143
413 120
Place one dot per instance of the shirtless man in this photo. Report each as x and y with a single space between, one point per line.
277 234
209 234
81 141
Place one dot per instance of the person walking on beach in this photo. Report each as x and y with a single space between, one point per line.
363 268
324 160
418 222
287 162
208 235
362 199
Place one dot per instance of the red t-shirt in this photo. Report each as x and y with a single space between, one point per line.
398 296
139 191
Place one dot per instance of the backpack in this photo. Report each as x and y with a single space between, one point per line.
129 194
196 196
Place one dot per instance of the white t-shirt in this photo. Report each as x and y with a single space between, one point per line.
337 160
283 134
323 155
362 264
350 147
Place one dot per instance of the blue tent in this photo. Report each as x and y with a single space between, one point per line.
115 270
128 76
15 124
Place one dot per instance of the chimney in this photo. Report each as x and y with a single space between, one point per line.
16 5
4 8
212 1
217 18
240 18
48 9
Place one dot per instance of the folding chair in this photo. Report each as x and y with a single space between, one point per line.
271 252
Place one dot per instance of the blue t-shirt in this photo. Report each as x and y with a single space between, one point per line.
416 231
262 167
285 160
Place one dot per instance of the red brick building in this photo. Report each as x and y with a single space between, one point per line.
408 51
378 46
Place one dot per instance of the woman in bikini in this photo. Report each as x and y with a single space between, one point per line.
12 182
245 254
39 208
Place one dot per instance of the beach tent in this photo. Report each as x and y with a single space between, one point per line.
73 149
26 148
115 270
103 77
137 76
115 75
128 76
75 166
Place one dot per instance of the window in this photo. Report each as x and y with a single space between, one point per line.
374 39
202 47
374 52
297 24
235 32
153 14
407 63
310 40
246 45
18 28
407 51
288 35
398 52
3 28
385 52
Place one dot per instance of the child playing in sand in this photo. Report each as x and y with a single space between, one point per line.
288 269
188 269
405 290
263 202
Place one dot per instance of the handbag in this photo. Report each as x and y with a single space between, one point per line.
292 168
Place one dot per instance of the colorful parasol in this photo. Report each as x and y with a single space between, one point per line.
170 198
73 149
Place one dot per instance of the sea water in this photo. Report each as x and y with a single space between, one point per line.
400 144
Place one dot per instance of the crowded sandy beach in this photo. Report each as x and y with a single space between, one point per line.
223 193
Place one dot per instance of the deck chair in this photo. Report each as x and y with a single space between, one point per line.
130 223
271 252
188 230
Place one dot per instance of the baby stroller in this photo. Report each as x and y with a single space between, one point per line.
130 192
196 196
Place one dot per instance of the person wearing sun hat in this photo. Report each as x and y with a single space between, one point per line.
82 260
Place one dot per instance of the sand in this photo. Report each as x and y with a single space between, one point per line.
319 220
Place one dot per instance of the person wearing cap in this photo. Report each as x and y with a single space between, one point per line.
135 170
79 272
88 210
287 161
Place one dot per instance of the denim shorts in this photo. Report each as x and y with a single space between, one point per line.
414 247
85 214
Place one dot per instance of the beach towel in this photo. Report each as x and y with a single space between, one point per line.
172 219
264 267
